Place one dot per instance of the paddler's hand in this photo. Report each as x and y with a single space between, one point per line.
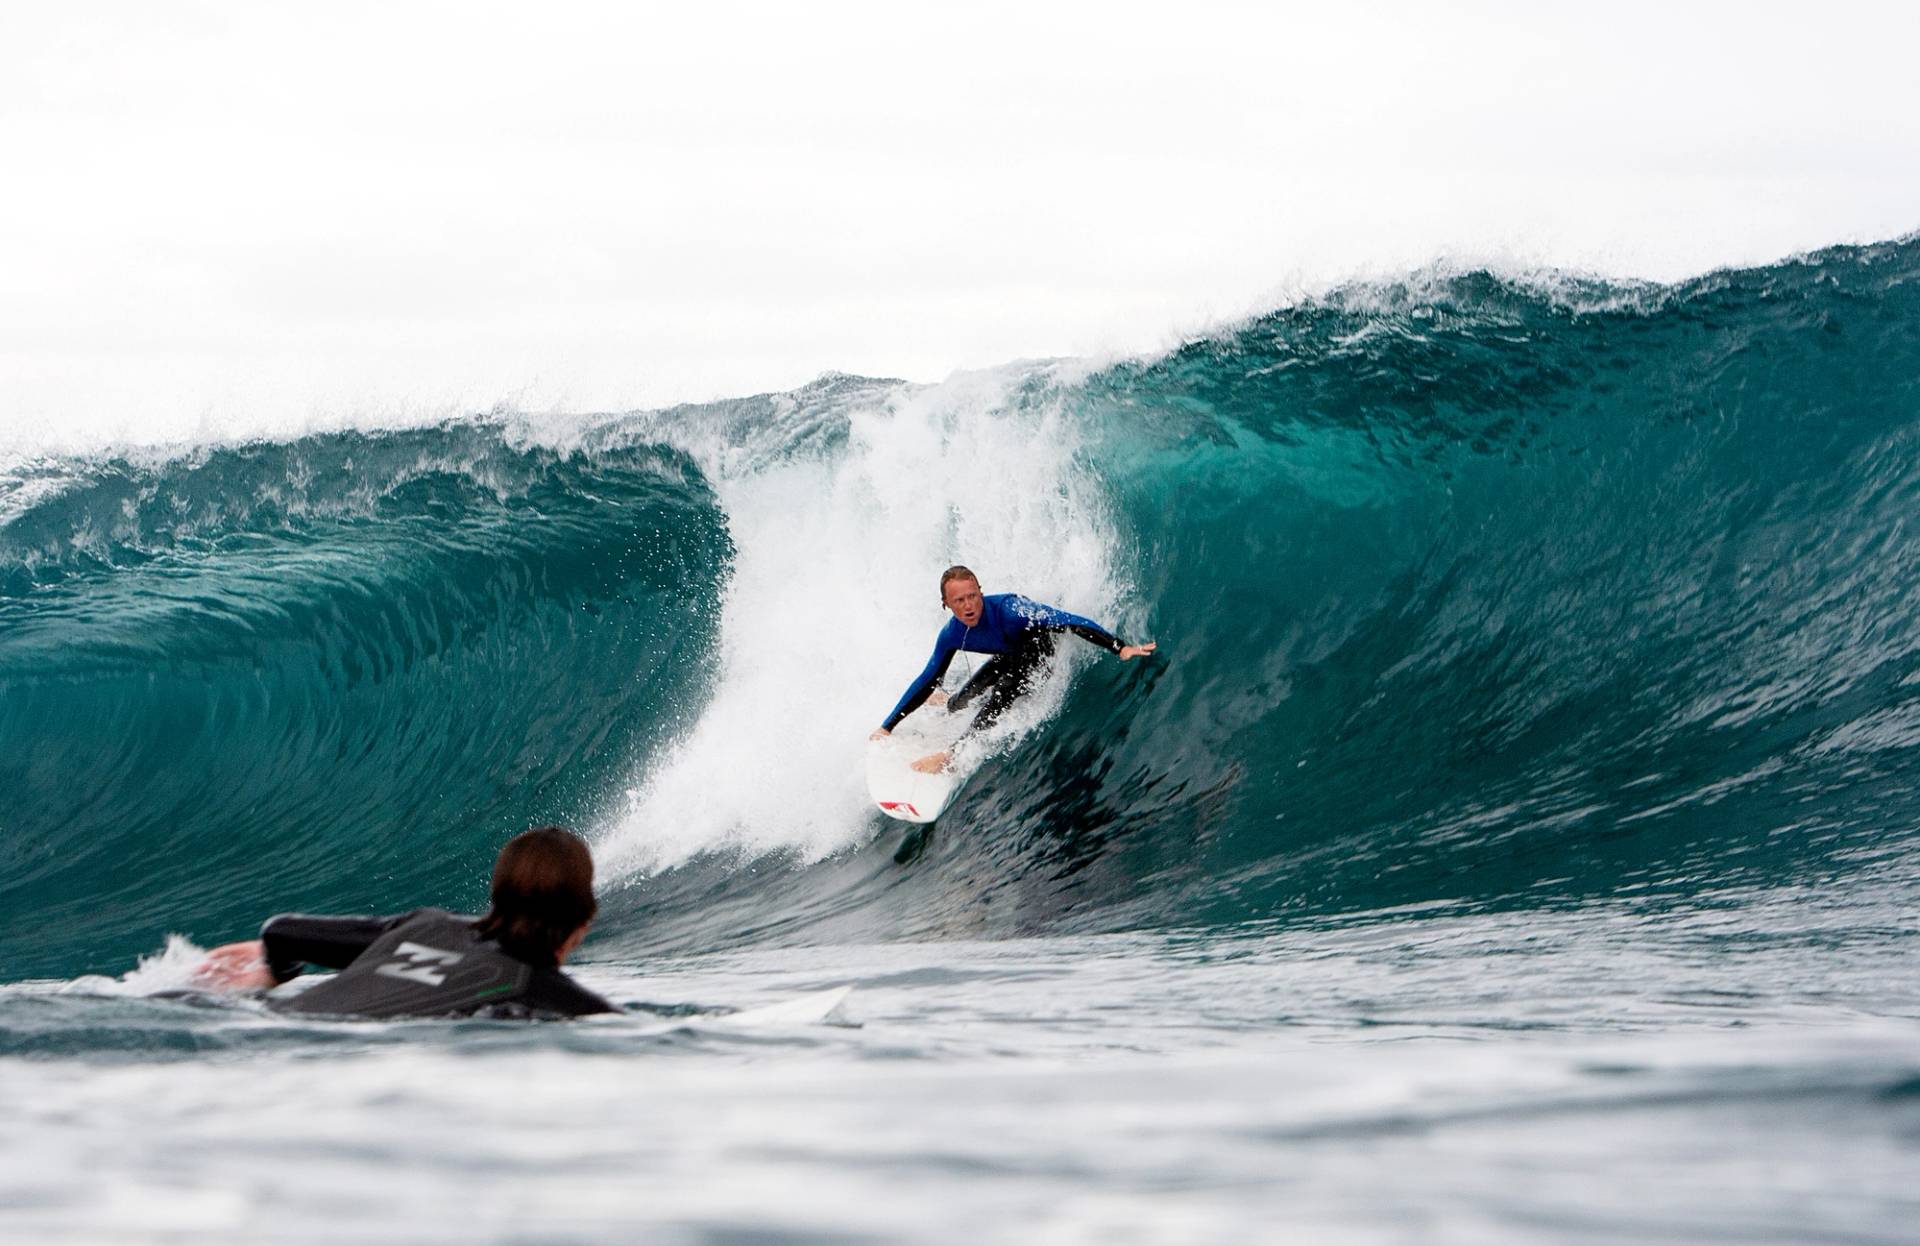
1138 651
936 698
235 967
881 734
933 763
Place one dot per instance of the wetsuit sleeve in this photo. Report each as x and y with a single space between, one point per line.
552 991
1054 619
922 686
293 940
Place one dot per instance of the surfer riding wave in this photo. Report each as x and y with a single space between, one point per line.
1016 632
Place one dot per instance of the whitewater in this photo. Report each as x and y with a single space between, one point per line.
1514 838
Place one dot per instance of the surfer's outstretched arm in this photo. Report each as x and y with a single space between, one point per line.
1055 619
922 685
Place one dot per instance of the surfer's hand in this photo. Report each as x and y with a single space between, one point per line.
933 763
235 967
881 734
936 698
1138 651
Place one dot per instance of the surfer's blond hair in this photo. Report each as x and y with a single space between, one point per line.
955 572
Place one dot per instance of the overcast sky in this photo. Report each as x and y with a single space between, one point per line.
232 217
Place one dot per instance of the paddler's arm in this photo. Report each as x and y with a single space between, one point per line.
293 940
287 943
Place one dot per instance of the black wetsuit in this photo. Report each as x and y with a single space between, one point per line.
1004 679
426 963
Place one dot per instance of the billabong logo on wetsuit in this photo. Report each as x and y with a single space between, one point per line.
422 967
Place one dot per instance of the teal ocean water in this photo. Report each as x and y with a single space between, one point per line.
1517 836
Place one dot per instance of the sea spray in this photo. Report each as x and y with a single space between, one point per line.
831 602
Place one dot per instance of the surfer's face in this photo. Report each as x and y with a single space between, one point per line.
964 599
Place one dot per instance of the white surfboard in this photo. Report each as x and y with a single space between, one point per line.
901 791
813 1008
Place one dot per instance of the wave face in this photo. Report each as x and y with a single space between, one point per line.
1471 590
1528 591
325 675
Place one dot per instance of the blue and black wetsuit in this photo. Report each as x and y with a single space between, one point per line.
1019 634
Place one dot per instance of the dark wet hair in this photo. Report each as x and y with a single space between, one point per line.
955 572
542 893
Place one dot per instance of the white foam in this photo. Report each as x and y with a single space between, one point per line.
833 605
169 969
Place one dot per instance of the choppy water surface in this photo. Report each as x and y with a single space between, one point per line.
1745 1069
1514 840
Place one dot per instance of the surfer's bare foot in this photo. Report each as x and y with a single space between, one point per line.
933 763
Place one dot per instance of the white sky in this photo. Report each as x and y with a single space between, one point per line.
233 217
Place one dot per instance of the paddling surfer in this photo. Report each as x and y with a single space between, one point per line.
1018 634
429 962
